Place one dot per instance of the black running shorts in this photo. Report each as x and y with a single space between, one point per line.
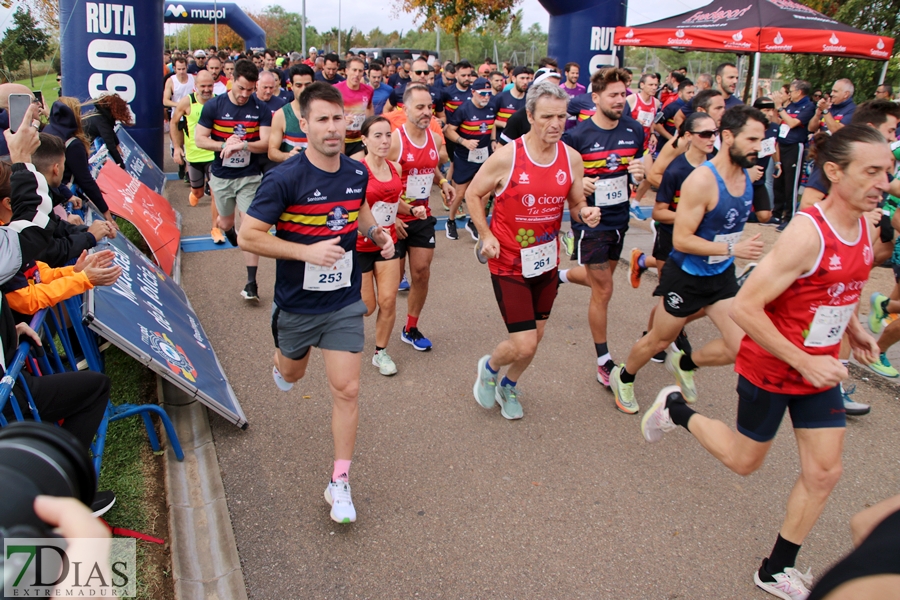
684 294
760 411
419 234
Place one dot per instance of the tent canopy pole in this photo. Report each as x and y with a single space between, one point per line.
883 72
753 91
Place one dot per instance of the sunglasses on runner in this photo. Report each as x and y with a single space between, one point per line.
483 92
421 72
705 134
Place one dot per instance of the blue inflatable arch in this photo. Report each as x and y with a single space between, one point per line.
226 13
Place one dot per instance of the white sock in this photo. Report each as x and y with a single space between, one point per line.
563 275
603 359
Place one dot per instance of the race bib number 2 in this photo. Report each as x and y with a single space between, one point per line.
418 187
326 279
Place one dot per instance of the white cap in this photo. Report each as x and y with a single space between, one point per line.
545 74
199 54
313 49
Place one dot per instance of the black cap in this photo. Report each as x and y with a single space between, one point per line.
519 71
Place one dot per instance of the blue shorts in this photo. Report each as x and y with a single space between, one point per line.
760 411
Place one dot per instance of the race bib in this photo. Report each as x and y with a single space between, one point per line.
538 259
608 192
326 279
418 187
728 238
385 213
828 325
645 118
238 160
783 130
356 123
767 148
478 155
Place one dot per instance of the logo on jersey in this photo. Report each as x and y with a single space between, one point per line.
867 255
834 263
239 130
358 172
561 177
731 218
338 217
674 300
227 116
528 200
432 154
317 193
613 162
596 146
836 290
409 156
523 178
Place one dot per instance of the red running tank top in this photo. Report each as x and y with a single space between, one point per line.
645 114
528 210
419 164
814 311
382 198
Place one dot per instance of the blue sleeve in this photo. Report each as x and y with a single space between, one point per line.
457 117
270 200
438 98
667 187
807 113
817 182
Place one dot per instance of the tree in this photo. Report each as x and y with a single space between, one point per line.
458 16
24 42
47 10
876 16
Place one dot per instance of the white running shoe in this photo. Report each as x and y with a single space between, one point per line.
283 385
656 421
337 494
385 364
788 585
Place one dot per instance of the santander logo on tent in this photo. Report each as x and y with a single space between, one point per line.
680 40
879 50
737 41
833 45
630 34
679 33
778 44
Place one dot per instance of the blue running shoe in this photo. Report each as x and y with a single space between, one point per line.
414 338
404 285
637 213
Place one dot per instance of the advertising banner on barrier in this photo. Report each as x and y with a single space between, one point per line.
138 163
152 214
148 315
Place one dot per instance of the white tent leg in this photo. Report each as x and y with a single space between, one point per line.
883 73
755 78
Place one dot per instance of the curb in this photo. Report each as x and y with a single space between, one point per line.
205 561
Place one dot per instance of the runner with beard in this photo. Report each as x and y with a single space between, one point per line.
715 201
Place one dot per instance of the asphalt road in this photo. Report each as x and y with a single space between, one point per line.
456 502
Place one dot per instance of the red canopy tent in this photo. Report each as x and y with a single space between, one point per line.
755 26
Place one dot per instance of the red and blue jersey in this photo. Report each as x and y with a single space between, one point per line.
473 123
505 106
582 107
223 118
308 205
454 98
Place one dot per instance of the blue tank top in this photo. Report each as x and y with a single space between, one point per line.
724 223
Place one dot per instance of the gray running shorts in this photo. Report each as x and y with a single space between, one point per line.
341 330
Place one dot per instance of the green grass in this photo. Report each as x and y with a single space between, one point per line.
47 85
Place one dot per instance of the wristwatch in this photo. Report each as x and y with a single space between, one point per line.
825 112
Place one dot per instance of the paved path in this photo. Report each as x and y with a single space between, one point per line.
456 502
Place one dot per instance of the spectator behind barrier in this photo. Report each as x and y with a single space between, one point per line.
108 109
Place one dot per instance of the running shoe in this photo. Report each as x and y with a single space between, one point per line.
773 221
231 236
383 361
877 313
637 213
451 230
193 199
485 388
217 236
603 372
883 367
508 399
656 421
250 292
624 392
461 212
283 385
568 242
404 284
684 378
790 584
470 227
782 226
852 408
103 501
481 257
414 338
635 269
888 319
337 494
745 273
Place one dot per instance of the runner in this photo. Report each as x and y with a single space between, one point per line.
714 204
644 106
521 243
418 151
727 76
265 97
286 138
610 144
672 111
236 128
380 90
383 197
329 72
571 85
357 103
214 66
198 160
317 208
177 87
418 74
470 129
795 307
507 103
454 97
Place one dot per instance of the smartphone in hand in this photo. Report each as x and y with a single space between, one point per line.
18 106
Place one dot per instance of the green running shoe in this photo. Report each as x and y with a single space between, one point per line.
507 398
485 388
884 367
876 314
568 241
624 392
684 378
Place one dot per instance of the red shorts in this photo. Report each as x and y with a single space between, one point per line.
523 302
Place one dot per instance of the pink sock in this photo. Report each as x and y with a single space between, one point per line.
341 470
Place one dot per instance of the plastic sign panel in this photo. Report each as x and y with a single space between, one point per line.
148 316
138 163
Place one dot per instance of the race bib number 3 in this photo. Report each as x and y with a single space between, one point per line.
418 187
478 155
608 192
385 213
538 259
828 325
327 279
728 238
238 160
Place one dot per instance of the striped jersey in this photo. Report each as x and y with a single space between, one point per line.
505 105
582 107
223 118
308 205
473 123
454 98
